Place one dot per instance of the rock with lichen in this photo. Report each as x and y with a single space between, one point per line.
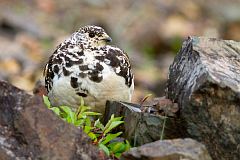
204 80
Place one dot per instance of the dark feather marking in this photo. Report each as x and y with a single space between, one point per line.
66 72
95 76
112 56
100 58
74 82
80 53
123 63
82 75
57 59
56 69
73 55
83 67
51 74
81 94
99 67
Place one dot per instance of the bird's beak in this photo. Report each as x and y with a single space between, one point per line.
106 38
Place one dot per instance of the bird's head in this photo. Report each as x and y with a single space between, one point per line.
93 36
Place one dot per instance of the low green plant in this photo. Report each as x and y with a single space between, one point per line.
100 135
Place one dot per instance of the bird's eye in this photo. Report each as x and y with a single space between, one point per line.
91 34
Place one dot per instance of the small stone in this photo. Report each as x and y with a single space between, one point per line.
176 149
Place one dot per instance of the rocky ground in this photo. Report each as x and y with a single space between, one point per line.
151 32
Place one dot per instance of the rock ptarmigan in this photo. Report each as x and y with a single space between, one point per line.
85 66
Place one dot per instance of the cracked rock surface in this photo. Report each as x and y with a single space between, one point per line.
204 80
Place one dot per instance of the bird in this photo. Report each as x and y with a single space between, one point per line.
85 66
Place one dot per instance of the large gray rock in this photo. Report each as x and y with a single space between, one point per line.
176 149
28 130
204 80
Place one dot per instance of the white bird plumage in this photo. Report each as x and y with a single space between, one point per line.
85 66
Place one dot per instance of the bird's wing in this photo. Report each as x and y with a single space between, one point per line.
120 63
49 69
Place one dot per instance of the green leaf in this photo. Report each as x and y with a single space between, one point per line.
69 114
109 122
98 124
78 122
112 125
92 113
117 118
117 147
81 112
128 146
110 137
81 101
104 148
92 136
56 110
87 129
46 101
66 109
88 121
118 155
81 116
84 109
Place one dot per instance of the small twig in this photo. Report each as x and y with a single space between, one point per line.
144 99
162 132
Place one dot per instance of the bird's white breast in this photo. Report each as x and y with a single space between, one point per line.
112 87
